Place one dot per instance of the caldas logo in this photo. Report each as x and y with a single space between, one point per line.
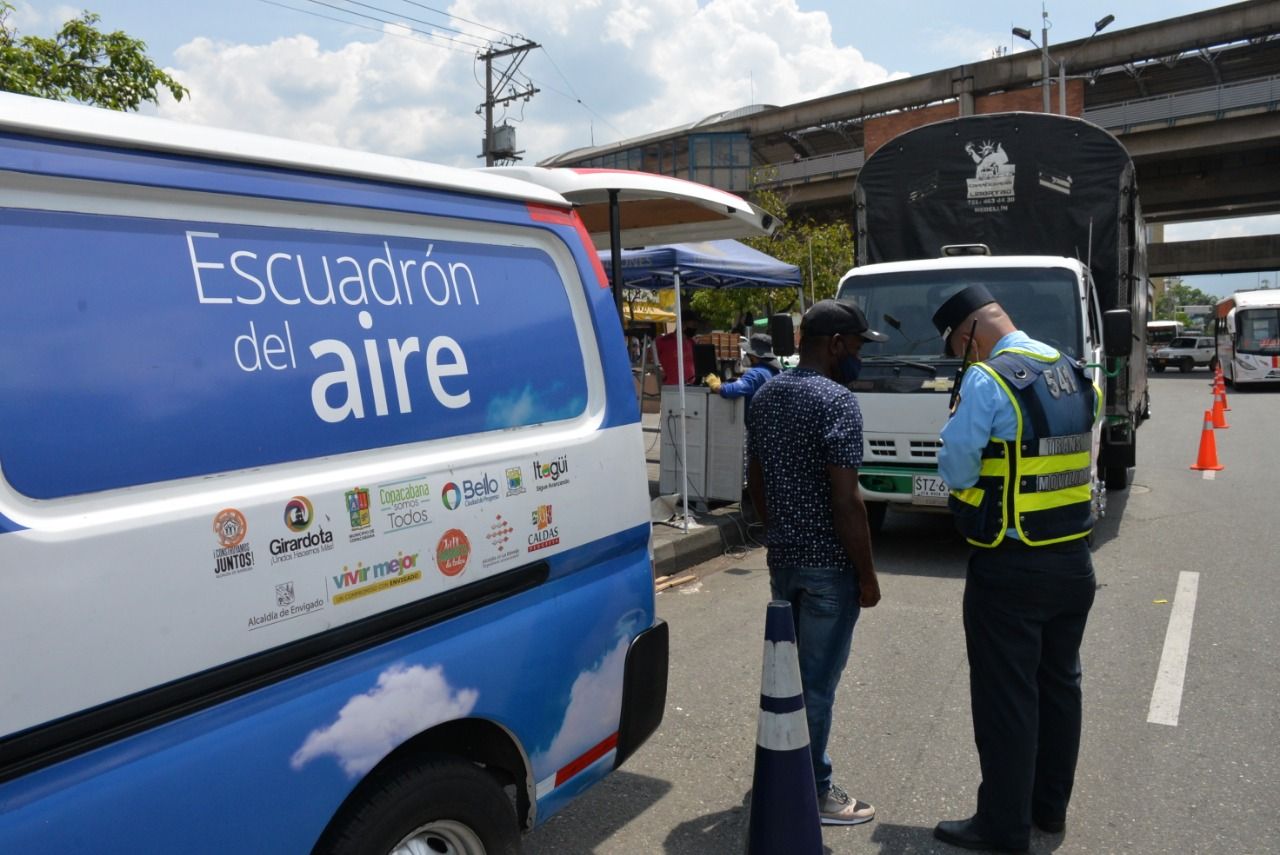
551 473
545 534
991 188
451 495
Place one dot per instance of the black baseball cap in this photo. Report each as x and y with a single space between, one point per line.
959 306
838 317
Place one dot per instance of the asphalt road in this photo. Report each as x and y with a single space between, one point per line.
902 738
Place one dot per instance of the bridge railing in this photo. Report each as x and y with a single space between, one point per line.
1211 100
1119 118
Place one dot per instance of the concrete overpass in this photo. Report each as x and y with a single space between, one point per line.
1256 253
1195 99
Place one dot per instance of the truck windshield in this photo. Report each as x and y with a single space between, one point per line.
1043 302
1258 331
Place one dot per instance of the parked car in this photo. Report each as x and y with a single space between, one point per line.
1186 352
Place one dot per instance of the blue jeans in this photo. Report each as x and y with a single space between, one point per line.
824 606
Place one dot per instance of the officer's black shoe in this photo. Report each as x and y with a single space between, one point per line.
962 833
1050 826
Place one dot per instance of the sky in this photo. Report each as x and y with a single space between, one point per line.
336 72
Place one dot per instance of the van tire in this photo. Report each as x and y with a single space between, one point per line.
443 802
1116 477
1159 368
1186 365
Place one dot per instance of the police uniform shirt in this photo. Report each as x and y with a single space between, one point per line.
984 412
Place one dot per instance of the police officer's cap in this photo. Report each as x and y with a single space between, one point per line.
838 317
959 306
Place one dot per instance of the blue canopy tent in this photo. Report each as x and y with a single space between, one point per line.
710 264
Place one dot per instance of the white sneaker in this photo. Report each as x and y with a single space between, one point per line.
838 808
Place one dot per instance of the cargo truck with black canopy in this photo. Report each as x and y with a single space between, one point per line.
1041 209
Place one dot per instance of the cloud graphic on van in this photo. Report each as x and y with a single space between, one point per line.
405 702
529 406
596 698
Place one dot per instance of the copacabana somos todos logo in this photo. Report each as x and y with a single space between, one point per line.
227 272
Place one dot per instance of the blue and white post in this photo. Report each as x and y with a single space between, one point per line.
784 798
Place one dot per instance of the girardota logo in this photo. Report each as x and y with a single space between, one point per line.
298 514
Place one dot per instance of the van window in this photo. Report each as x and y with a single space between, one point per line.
161 349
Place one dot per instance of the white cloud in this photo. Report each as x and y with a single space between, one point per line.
1268 224
405 702
636 66
596 697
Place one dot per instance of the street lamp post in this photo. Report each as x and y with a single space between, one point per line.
1045 59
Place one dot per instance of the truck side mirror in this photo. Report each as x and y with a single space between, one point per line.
782 331
1117 331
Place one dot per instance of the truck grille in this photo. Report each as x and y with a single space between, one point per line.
925 449
882 448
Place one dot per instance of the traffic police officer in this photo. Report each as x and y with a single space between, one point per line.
1016 454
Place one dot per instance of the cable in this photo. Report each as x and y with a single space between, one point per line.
462 19
384 21
361 26
485 42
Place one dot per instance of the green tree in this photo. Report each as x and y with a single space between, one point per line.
829 244
1178 293
81 63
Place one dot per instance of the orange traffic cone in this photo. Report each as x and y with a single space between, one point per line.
1219 411
1221 391
1207 459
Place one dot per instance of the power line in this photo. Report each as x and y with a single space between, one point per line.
351 23
420 21
427 33
460 18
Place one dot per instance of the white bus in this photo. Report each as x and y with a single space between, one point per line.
1159 334
1248 329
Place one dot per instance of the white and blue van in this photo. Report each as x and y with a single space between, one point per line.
323 511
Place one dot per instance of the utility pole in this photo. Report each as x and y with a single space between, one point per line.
515 55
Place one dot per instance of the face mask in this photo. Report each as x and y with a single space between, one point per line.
850 367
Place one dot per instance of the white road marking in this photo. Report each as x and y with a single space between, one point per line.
1166 698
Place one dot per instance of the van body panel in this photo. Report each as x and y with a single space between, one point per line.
299 460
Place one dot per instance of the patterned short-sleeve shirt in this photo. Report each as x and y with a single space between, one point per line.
801 421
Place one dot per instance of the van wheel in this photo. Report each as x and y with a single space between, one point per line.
445 806
1116 477
1159 369
1213 364
875 515
1186 365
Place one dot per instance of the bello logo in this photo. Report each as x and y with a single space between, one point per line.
452 552
298 513
485 489
451 495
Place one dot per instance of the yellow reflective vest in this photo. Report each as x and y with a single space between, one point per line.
1040 482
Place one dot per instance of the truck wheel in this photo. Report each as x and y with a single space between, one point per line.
443 805
1116 477
875 515
1186 365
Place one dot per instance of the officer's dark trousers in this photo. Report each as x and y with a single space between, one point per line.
1024 616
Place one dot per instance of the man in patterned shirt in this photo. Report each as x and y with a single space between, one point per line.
805 444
